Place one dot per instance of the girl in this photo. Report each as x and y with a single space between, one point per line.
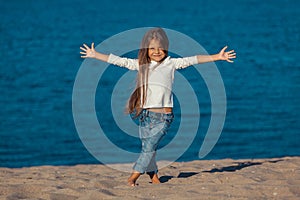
152 99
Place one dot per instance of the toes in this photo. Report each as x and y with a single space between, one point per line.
131 183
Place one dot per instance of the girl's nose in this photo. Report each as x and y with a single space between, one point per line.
156 50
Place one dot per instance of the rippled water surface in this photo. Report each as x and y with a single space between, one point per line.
40 58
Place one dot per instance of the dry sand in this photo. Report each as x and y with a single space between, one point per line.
276 178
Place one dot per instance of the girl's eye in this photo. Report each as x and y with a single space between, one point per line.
160 49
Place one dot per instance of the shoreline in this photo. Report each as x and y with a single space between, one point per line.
268 178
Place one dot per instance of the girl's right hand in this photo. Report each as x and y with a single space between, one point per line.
88 52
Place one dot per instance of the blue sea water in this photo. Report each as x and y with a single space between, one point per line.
40 59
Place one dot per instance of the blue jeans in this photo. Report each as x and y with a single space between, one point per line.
153 126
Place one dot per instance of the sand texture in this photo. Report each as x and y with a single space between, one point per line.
276 178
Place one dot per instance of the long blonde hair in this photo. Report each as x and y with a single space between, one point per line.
139 95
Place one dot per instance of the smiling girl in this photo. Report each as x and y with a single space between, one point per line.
152 99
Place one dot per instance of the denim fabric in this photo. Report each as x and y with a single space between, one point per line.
153 126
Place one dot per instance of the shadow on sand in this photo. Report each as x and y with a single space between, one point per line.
232 168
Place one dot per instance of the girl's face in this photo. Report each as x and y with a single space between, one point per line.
155 51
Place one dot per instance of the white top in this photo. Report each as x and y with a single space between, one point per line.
160 79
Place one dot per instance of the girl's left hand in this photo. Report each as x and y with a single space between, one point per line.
228 55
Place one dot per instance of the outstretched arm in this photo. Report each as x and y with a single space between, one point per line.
129 63
88 52
222 55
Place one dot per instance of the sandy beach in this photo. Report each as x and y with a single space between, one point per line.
276 178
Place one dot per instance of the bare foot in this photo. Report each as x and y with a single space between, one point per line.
154 178
131 183
132 179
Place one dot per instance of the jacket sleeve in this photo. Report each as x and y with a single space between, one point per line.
181 63
131 64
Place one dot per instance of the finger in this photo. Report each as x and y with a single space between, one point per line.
231 55
86 46
93 45
83 56
230 51
231 61
83 49
82 52
224 48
